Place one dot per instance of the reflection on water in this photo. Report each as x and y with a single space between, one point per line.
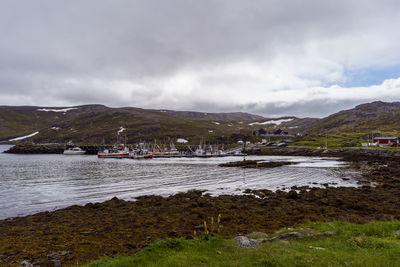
32 183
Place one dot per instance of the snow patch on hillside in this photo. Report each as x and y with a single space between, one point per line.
23 137
215 122
56 110
276 122
121 129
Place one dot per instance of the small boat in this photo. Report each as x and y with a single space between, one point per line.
200 152
173 152
74 151
220 153
209 152
141 154
117 152
237 153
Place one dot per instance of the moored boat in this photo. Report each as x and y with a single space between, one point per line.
74 151
209 152
141 154
237 153
117 152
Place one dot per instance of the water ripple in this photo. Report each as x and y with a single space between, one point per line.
32 183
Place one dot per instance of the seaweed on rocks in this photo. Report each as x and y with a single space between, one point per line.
36 149
80 234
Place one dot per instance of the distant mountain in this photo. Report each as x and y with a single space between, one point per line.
383 116
226 117
93 123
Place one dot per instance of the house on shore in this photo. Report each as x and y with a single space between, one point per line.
387 141
302 134
278 132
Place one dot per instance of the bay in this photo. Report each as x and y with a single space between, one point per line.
34 183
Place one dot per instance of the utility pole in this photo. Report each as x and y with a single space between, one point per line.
244 150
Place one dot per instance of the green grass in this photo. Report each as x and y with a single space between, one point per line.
373 244
342 140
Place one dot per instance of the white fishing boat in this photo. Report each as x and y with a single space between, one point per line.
173 151
209 152
200 152
74 151
119 152
220 153
237 153
141 154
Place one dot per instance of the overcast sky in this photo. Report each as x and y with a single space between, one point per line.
273 57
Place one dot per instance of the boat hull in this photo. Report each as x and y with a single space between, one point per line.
73 153
113 155
141 156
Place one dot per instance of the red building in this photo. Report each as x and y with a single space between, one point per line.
387 141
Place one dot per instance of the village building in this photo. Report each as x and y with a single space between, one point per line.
278 132
182 141
301 134
387 141
260 132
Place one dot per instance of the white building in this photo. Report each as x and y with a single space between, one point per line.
182 141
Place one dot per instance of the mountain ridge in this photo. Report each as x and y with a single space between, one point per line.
92 122
95 122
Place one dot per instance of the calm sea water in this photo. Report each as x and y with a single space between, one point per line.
33 183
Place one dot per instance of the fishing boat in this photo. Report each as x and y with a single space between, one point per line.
173 151
140 154
237 153
120 151
74 151
209 152
200 152
220 153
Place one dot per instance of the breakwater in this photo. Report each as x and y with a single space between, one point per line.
52 149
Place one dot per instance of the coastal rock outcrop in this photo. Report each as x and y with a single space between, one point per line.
245 242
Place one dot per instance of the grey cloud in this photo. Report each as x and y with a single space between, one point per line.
314 109
46 43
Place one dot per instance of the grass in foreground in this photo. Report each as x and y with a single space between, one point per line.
373 244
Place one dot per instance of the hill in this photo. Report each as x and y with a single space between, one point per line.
369 117
93 123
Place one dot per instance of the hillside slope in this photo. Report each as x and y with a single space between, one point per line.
93 123
375 116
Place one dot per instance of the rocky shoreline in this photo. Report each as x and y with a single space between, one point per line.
50 149
79 234
348 154
35 149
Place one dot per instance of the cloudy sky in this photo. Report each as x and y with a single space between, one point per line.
272 57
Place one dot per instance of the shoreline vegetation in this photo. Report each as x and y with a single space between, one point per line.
80 234
311 244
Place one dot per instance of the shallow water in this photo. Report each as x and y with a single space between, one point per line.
33 183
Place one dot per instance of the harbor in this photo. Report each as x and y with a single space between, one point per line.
95 214
44 182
